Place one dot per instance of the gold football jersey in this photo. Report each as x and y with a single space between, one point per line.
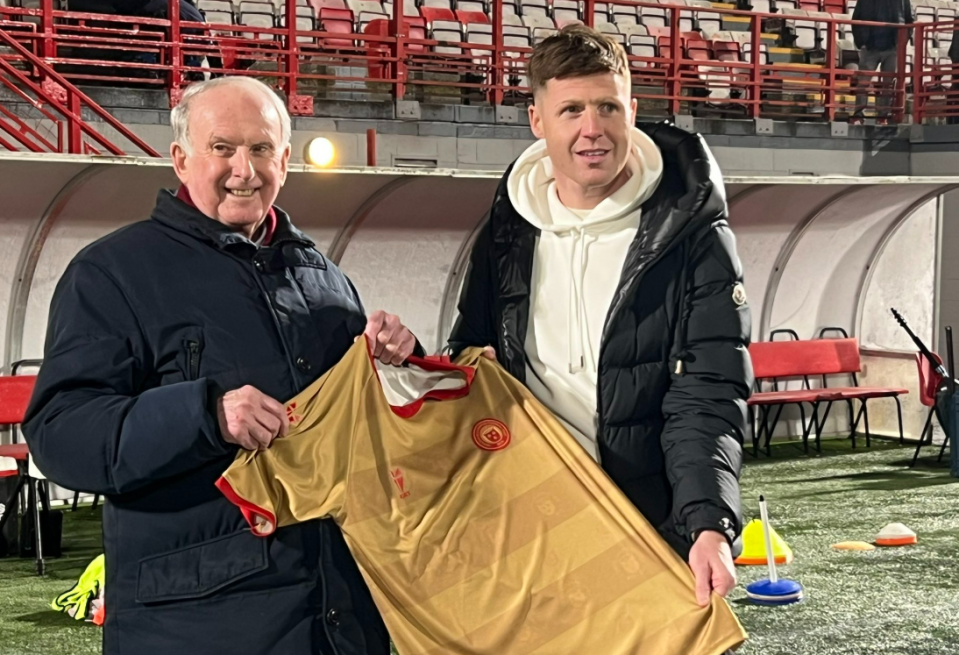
480 525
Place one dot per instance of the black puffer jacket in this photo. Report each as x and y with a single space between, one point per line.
880 39
147 327
670 440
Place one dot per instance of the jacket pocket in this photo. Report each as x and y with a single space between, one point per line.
193 348
201 569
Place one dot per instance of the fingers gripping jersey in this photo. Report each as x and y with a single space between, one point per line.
480 525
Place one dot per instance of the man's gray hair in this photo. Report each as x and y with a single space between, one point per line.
180 116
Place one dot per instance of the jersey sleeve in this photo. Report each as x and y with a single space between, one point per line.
303 475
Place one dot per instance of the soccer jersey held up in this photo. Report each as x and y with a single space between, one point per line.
481 526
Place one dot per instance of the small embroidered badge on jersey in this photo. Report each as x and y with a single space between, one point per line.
490 434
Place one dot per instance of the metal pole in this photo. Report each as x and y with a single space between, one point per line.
830 95
399 32
371 148
47 44
292 59
755 72
676 54
918 63
176 75
499 77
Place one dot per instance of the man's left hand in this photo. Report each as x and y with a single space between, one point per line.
712 563
390 340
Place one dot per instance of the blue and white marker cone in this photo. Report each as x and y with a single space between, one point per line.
772 591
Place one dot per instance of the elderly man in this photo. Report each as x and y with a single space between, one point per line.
607 280
170 344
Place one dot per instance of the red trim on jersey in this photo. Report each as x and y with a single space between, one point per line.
428 364
269 225
250 511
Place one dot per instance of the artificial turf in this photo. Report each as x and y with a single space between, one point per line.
902 601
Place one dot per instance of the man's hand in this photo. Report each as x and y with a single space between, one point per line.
489 352
712 563
390 340
250 419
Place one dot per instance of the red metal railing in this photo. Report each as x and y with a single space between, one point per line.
58 102
677 71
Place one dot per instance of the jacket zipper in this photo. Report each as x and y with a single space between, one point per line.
193 348
609 321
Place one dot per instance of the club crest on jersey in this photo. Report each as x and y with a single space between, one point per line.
290 415
399 479
490 434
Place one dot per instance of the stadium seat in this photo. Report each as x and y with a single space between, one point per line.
218 6
219 17
448 31
642 46
834 6
409 8
367 17
809 5
257 20
653 17
331 4
538 20
566 12
624 14
513 20
360 6
432 14
303 24
725 48
439 4
469 5
924 13
472 17
540 34
480 34
415 26
630 29
761 6
337 21
600 12
247 7
696 46
533 8
807 31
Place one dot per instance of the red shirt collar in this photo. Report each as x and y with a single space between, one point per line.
270 224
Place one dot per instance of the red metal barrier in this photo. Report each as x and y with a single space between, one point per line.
63 98
684 72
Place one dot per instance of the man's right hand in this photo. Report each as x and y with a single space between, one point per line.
250 419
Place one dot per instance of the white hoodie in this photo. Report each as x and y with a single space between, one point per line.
576 268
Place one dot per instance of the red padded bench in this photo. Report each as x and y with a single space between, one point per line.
773 360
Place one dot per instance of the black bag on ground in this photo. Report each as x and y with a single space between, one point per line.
8 536
51 525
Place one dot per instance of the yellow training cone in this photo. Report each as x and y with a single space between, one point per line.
754 548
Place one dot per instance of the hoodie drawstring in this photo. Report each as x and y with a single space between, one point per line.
683 318
580 347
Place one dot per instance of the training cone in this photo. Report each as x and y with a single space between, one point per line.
754 550
780 592
896 534
853 545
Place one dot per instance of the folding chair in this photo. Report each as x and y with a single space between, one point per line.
929 382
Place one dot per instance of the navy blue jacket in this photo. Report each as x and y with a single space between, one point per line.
148 326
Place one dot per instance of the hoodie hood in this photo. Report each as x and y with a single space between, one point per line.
532 189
